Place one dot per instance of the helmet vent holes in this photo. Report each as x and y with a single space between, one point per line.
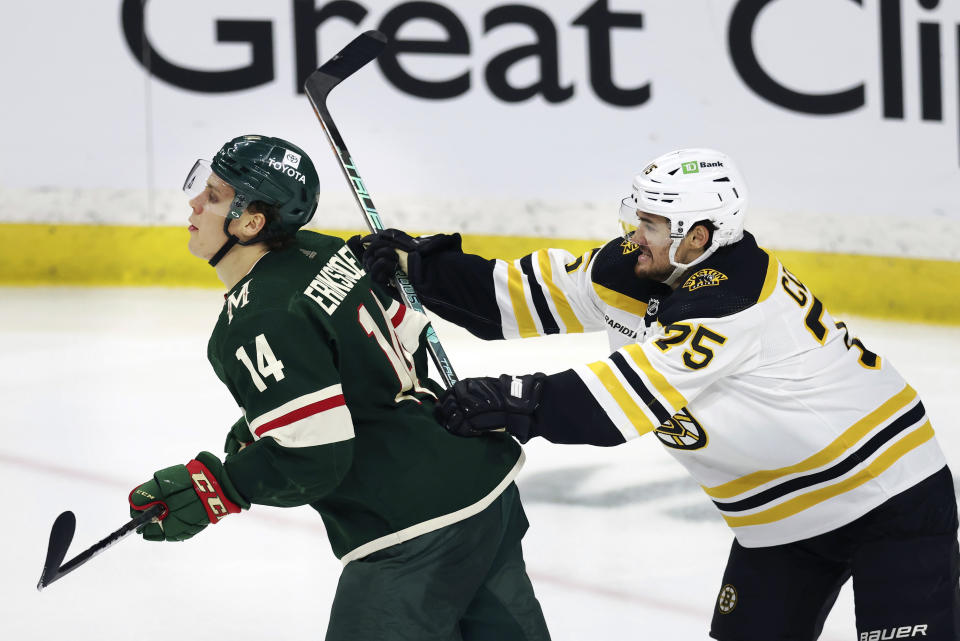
674 171
722 180
735 192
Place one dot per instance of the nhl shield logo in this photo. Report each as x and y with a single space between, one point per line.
653 307
704 278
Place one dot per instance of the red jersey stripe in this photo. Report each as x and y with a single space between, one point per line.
302 413
398 317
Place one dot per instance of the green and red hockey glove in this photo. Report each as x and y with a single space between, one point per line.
192 495
475 406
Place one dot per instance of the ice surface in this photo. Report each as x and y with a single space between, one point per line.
100 387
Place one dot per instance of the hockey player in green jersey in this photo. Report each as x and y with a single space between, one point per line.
816 452
338 414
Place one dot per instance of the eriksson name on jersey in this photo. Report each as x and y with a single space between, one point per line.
335 280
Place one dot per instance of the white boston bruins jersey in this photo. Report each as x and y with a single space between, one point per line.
790 424
552 291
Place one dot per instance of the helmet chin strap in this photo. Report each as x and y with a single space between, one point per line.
234 240
227 246
680 268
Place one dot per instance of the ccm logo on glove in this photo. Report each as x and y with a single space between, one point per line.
211 494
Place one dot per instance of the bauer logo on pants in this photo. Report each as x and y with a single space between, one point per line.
727 600
903 632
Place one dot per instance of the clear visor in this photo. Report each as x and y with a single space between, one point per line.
652 235
202 179
196 180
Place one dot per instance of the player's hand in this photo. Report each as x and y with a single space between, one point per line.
383 252
192 495
475 406
238 437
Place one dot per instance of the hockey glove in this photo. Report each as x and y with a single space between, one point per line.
238 437
475 406
383 252
192 495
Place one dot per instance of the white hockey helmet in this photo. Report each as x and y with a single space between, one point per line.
686 187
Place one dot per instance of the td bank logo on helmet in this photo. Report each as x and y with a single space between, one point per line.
694 167
283 168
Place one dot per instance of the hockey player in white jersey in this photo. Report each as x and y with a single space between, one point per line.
817 453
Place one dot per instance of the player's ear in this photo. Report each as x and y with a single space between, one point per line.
251 223
699 236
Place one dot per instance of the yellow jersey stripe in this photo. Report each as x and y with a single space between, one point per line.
841 444
588 257
798 504
673 397
770 280
570 320
620 301
521 312
620 395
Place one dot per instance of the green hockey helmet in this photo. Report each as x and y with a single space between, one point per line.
265 169
260 168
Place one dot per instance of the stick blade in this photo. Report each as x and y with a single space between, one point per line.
61 535
358 52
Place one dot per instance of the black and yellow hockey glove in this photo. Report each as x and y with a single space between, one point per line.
475 406
383 252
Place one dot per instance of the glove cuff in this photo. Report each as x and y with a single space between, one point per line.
211 483
153 500
522 396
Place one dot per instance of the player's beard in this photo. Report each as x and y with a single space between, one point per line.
653 267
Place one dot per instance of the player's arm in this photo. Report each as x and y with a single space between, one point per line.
280 368
238 437
411 327
546 292
631 392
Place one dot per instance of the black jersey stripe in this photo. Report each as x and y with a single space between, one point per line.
645 395
572 267
910 419
549 323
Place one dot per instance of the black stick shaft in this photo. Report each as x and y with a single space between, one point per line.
103 544
318 86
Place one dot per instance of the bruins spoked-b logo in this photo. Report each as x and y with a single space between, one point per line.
727 600
682 432
704 278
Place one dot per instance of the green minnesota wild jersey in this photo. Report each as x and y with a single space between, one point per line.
330 374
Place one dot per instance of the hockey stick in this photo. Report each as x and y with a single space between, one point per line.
62 534
361 50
